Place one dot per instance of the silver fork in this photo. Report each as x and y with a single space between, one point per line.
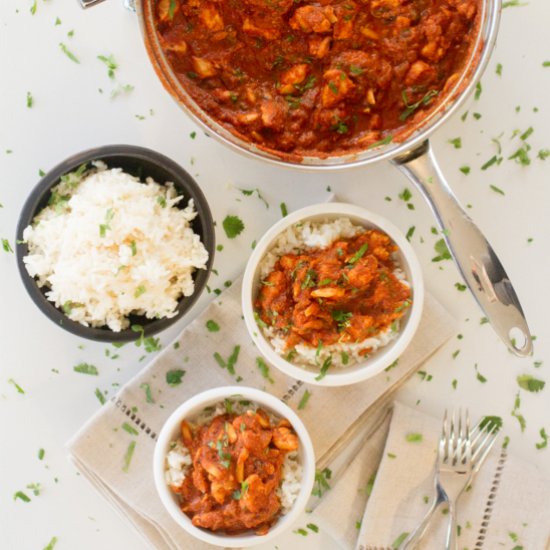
461 453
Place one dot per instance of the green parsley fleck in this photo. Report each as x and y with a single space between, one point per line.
128 456
465 170
68 53
232 226
100 396
456 142
442 250
86 368
497 189
16 385
460 287
111 64
303 401
324 368
174 377
51 544
284 210
148 393
530 383
321 484
414 437
212 326
498 69
21 496
130 429
544 443
41 453
264 369
478 91
6 246
399 540
313 527
30 100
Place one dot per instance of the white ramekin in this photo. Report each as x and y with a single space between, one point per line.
194 406
381 358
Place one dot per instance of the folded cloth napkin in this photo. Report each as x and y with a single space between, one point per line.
506 507
118 462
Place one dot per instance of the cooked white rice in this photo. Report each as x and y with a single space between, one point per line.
114 246
178 460
307 235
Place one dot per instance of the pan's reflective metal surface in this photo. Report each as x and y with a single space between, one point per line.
475 258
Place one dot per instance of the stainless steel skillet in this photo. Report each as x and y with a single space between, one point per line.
474 256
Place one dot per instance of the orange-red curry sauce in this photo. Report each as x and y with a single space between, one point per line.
236 471
344 293
317 77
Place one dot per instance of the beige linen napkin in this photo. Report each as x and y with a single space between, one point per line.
100 449
507 506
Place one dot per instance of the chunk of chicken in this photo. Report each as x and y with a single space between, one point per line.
179 47
317 19
203 67
211 18
419 73
273 113
285 439
293 76
319 47
336 88
262 32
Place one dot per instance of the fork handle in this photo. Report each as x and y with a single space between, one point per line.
451 538
414 538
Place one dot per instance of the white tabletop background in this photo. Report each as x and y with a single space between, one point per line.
70 114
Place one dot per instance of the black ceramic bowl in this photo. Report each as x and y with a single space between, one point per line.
142 163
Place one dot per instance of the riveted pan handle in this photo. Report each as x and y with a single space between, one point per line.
474 256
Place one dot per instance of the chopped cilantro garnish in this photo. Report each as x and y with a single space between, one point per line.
16 385
284 210
86 368
321 485
460 287
324 368
442 251
100 396
231 361
250 192
497 189
414 437
41 453
399 540
21 496
411 108
212 326
410 233
493 160
30 100
491 422
405 195
456 142
128 456
478 91
303 401
232 226
174 377
148 393
383 141
544 442
111 64
51 544
68 53
6 246
301 531
359 254
130 429
172 9
313 527
498 69
264 369
480 376
465 170
455 354
530 383
139 291
345 357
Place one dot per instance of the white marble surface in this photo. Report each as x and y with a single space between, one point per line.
69 115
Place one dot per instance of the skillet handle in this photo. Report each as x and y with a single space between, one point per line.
476 260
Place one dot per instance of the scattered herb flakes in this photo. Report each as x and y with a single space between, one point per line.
391 455
543 154
110 63
414 437
442 251
313 527
399 540
530 383
405 195
455 354
41 454
480 376
454 383
392 366
36 488
212 326
233 226
493 160
491 422
497 189
521 156
130 429
384 141
321 484
324 368
513 4
460 287
546 63
358 524
410 233
358 255
411 108
16 386
478 91
128 456
148 393
517 415
21 496
250 192
51 544
219 247
498 69
30 100
424 375
456 142
6 246
477 116
303 401
174 377
100 396
231 361
68 53
264 369
484 321
86 368
537 364
544 442
465 170
301 531
284 210
527 133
